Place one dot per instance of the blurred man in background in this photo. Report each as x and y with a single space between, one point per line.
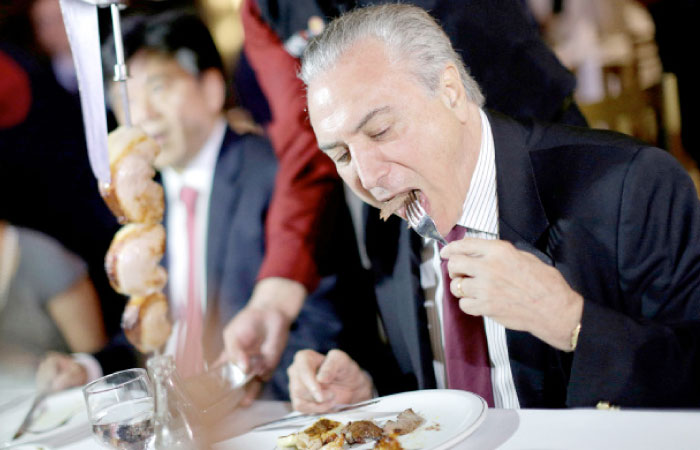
218 191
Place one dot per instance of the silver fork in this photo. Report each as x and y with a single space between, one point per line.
420 221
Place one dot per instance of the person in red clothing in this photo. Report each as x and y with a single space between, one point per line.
305 180
497 39
15 92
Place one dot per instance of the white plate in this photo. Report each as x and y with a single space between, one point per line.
49 415
450 416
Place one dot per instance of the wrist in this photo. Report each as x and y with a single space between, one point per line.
572 325
89 363
574 337
281 294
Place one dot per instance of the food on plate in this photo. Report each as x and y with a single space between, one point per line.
145 322
328 434
133 195
322 432
361 431
132 261
405 423
388 443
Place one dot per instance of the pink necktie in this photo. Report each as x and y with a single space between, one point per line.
189 357
466 351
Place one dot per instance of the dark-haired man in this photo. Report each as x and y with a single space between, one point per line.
218 187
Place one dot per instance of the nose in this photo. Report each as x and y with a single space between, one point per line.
370 166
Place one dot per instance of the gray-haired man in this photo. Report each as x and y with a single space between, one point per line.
582 248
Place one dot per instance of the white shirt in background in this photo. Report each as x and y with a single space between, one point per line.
198 174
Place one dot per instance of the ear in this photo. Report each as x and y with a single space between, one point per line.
214 89
452 91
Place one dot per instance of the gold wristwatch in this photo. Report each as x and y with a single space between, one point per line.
574 337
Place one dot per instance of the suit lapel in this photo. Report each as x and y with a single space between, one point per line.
521 214
536 367
222 205
395 254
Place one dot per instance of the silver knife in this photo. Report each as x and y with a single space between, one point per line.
82 28
288 421
30 414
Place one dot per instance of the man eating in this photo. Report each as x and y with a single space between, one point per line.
573 269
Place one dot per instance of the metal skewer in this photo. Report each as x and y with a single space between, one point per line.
120 71
82 27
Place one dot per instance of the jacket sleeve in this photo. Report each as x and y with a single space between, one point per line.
646 350
306 176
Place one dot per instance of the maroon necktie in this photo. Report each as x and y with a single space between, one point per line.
466 351
189 358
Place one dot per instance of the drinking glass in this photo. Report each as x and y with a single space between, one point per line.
120 409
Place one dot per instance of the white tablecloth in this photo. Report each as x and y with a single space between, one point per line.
516 429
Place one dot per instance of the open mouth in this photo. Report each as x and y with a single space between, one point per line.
394 205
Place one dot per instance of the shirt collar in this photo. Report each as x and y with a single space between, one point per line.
480 208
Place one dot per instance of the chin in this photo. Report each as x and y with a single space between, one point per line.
367 198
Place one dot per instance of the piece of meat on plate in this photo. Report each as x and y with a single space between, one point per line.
388 443
322 432
361 431
405 423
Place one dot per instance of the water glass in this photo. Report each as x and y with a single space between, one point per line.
120 409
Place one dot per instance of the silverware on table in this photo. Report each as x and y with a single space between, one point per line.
40 396
288 421
420 221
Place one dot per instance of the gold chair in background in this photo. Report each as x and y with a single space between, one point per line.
651 114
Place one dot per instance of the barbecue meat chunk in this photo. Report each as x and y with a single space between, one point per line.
405 423
388 443
146 323
132 261
133 195
361 431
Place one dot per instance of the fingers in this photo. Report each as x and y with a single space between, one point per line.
251 392
58 371
468 246
255 340
303 385
337 366
274 341
74 375
242 339
47 371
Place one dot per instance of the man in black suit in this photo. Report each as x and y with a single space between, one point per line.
582 248
177 94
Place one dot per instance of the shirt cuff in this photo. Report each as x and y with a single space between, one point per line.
89 362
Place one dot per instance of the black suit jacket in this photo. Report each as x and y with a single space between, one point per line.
333 315
621 222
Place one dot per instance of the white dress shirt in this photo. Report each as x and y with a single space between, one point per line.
480 217
198 174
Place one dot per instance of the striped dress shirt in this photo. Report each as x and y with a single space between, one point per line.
480 217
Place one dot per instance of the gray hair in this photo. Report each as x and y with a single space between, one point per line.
410 34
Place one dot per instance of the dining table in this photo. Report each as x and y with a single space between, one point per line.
578 428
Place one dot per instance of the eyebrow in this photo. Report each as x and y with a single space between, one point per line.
359 126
